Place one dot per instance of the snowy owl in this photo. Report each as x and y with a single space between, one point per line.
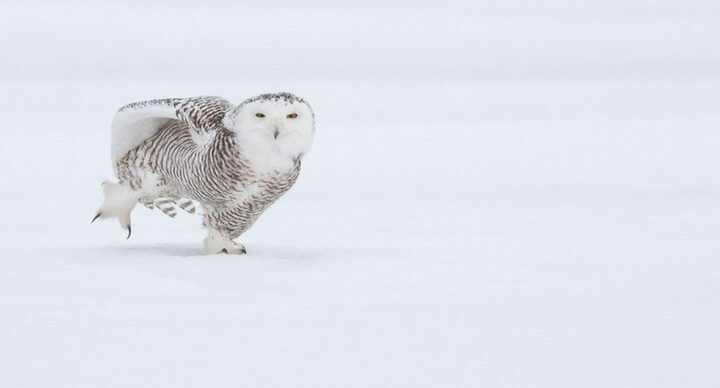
235 161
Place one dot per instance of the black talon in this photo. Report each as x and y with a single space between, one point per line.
243 251
224 251
129 232
96 217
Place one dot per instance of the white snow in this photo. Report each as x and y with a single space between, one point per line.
508 194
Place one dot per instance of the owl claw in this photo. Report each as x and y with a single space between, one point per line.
236 250
129 232
96 217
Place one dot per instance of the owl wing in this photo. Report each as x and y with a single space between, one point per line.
134 123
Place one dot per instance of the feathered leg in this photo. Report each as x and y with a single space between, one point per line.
218 242
119 202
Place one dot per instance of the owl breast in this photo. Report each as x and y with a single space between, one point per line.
233 186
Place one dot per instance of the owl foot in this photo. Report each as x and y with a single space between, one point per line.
216 243
119 203
236 250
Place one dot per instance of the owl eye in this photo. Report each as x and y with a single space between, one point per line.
258 114
292 115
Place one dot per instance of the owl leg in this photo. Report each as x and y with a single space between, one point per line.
119 202
218 242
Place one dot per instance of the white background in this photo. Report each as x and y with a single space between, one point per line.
516 193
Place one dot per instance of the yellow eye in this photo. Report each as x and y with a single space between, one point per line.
258 114
292 115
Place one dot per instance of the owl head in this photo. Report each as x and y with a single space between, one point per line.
280 120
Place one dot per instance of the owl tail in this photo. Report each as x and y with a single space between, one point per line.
119 202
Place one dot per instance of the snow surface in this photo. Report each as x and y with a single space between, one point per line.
500 194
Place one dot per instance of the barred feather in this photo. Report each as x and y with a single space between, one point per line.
188 206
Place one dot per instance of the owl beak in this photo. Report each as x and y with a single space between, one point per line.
277 132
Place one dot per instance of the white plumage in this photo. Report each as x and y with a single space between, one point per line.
234 160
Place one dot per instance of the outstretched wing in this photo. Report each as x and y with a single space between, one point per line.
136 122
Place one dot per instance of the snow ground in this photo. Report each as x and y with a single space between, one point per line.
523 194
